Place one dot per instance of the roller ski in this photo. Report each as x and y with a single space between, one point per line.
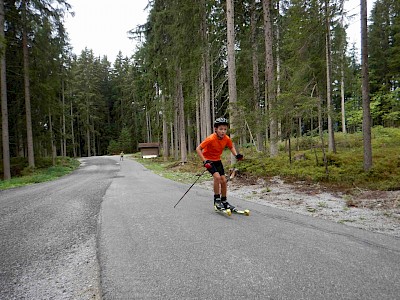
219 207
234 210
245 212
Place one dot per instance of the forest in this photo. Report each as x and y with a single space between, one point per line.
277 69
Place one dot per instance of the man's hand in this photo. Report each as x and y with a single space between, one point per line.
207 164
239 156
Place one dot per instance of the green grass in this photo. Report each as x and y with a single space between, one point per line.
64 166
174 170
345 167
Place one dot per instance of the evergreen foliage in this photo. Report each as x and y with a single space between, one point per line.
179 74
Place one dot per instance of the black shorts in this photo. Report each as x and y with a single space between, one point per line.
216 166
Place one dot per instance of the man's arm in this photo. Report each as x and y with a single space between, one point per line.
199 151
236 154
233 150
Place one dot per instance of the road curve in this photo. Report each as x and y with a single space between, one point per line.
149 250
109 231
48 235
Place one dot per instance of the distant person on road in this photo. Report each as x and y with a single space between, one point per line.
121 157
210 151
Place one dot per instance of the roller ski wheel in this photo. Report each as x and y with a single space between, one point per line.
224 211
245 212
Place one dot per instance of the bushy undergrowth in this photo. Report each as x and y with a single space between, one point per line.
343 169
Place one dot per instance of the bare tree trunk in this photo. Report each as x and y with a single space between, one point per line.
88 142
278 68
64 135
342 98
331 139
165 130
212 91
53 146
343 109
31 156
321 135
366 125
206 83
198 129
88 129
230 13
173 140
148 126
270 92
189 135
4 104
72 132
256 79
201 106
94 139
176 133
181 119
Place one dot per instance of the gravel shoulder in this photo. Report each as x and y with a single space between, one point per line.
377 211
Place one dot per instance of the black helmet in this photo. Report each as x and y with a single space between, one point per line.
221 121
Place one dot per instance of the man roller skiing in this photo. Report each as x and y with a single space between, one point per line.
210 151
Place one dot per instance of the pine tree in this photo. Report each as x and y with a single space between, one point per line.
4 103
366 125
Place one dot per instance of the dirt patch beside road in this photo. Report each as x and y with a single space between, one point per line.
377 211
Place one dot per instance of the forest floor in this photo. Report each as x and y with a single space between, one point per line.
377 211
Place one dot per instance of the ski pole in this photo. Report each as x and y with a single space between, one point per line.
190 188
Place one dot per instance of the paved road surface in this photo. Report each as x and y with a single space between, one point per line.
48 235
109 230
149 250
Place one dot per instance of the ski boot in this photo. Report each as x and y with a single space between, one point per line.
218 206
234 210
227 205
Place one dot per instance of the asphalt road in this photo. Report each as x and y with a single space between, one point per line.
110 231
48 235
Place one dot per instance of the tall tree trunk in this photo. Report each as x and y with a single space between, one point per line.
165 129
270 93
342 66
88 129
342 99
176 132
331 139
366 125
198 127
72 132
230 13
206 83
201 106
4 108
53 146
31 156
256 79
64 139
278 67
189 135
212 90
94 151
172 139
321 135
181 118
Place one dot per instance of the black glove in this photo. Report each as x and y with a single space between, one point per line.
239 156
207 164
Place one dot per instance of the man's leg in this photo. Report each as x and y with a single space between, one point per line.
217 191
224 188
217 183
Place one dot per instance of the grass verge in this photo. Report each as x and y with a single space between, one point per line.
63 166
